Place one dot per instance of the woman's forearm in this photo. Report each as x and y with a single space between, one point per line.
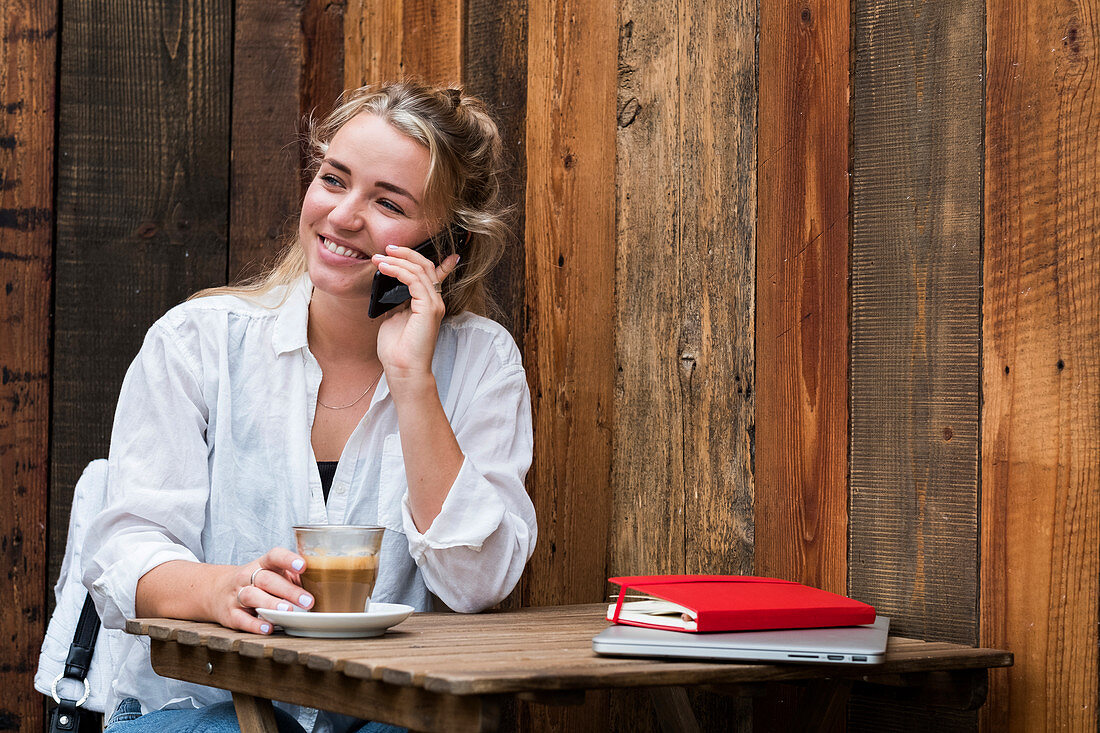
432 455
180 589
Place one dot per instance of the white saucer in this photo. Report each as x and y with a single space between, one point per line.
374 622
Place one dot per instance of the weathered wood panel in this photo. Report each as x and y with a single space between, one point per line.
403 39
916 297
142 201
569 346
28 57
802 294
268 49
685 276
494 68
1041 364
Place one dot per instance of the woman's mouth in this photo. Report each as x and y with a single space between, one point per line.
341 250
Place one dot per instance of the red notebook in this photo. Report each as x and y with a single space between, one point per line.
731 603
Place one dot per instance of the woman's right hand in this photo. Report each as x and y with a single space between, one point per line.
272 581
226 594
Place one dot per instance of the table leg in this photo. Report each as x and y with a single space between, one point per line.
673 709
254 714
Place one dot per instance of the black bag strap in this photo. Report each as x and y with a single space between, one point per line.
68 714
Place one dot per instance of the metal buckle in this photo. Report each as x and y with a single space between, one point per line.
57 698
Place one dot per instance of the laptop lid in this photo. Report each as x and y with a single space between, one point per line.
835 645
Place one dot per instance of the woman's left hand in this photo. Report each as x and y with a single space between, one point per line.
406 338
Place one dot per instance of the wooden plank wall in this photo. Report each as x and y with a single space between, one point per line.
1041 372
27 113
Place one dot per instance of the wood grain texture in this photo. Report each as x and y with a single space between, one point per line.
142 202
323 61
569 347
494 69
28 57
1041 363
397 39
915 301
685 273
801 295
267 85
685 281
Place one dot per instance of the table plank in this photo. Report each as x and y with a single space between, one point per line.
532 650
411 707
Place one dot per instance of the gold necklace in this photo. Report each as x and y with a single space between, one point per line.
356 400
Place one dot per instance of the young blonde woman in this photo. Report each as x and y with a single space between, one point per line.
252 409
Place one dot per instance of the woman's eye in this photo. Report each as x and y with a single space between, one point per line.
330 180
391 206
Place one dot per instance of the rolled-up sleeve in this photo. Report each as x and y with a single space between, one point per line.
158 482
473 553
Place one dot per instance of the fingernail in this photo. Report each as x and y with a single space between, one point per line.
283 607
391 247
265 628
459 259
298 564
305 601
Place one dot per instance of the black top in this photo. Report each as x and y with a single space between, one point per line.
327 470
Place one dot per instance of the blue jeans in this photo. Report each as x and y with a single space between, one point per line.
219 718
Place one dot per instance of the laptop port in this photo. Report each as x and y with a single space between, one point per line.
836 657
859 659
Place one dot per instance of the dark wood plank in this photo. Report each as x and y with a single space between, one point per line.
1040 573
801 296
494 68
28 57
142 201
916 296
264 179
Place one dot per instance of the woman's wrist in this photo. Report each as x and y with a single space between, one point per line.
411 384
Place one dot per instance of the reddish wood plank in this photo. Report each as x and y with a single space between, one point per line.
569 344
802 286
264 177
395 39
28 57
1041 372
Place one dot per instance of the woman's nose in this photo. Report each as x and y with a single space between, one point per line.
347 216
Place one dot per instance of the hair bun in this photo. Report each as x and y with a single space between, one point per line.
454 96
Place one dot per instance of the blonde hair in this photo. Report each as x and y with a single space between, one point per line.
462 188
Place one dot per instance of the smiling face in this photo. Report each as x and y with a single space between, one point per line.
368 193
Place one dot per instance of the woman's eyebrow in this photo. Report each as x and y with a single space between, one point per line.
396 189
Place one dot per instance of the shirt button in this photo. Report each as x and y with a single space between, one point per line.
341 489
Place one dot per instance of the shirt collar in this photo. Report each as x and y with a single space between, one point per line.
291 324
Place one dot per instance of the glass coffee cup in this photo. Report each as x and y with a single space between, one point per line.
341 565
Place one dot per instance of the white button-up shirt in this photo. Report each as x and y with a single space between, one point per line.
211 461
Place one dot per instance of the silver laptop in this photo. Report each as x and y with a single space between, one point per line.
838 645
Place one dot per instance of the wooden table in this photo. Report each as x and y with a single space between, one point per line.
452 672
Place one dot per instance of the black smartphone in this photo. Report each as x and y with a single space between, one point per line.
388 292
